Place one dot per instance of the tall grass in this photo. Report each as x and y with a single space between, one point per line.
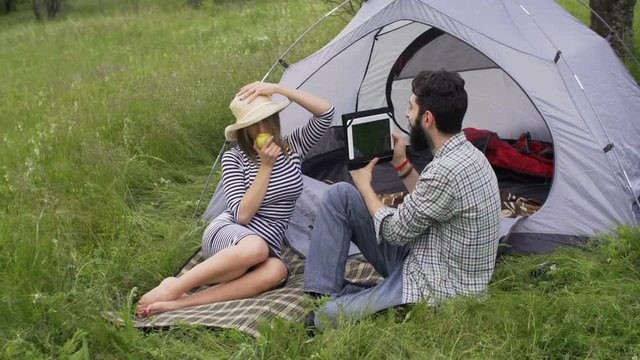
110 118
109 121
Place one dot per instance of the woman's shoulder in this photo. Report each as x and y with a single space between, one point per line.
234 154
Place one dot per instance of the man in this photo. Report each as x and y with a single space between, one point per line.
441 242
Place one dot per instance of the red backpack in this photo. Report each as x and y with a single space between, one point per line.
525 156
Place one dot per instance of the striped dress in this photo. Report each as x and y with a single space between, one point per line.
285 186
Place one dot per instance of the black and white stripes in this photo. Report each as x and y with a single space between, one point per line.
285 186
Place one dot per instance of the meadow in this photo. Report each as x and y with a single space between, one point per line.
110 119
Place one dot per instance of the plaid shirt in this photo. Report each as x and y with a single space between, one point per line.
451 221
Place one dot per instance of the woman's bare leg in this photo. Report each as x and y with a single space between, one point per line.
226 265
266 276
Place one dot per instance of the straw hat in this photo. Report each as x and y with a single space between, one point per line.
247 114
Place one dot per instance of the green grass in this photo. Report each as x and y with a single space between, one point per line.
110 118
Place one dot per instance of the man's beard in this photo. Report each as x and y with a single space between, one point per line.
420 141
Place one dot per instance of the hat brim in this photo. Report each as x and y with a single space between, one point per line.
231 131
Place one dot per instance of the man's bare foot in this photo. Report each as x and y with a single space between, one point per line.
167 290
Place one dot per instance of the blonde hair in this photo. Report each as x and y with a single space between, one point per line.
272 124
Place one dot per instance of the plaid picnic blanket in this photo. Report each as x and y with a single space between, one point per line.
246 315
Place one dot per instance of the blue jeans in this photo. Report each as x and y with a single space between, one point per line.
343 218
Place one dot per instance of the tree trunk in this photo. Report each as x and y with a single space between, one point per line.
619 15
53 7
8 6
37 9
195 3
50 7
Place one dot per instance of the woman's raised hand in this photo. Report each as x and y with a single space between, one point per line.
250 91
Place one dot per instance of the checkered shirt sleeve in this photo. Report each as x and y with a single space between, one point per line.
431 201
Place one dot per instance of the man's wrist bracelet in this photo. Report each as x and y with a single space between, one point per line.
399 167
406 172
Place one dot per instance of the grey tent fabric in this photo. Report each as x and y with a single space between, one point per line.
446 51
552 77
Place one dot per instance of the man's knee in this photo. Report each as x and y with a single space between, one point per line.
340 193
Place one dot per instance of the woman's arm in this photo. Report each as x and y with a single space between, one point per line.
252 199
312 103
303 138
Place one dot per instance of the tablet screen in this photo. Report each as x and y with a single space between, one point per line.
368 135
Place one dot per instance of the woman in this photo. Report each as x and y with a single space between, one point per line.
243 246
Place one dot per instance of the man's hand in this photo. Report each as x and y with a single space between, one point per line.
399 150
362 177
362 180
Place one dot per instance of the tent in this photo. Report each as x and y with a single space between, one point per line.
528 66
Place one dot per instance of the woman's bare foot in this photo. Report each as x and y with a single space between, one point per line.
148 310
167 290
158 308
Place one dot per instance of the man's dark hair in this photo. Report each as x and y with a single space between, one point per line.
441 92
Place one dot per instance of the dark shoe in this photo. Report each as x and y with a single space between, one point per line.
314 295
310 325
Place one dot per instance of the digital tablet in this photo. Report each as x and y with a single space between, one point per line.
368 135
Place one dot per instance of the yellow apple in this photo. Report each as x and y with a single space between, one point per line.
261 139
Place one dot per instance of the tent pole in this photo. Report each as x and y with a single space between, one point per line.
315 25
606 134
636 198
626 48
604 130
213 167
